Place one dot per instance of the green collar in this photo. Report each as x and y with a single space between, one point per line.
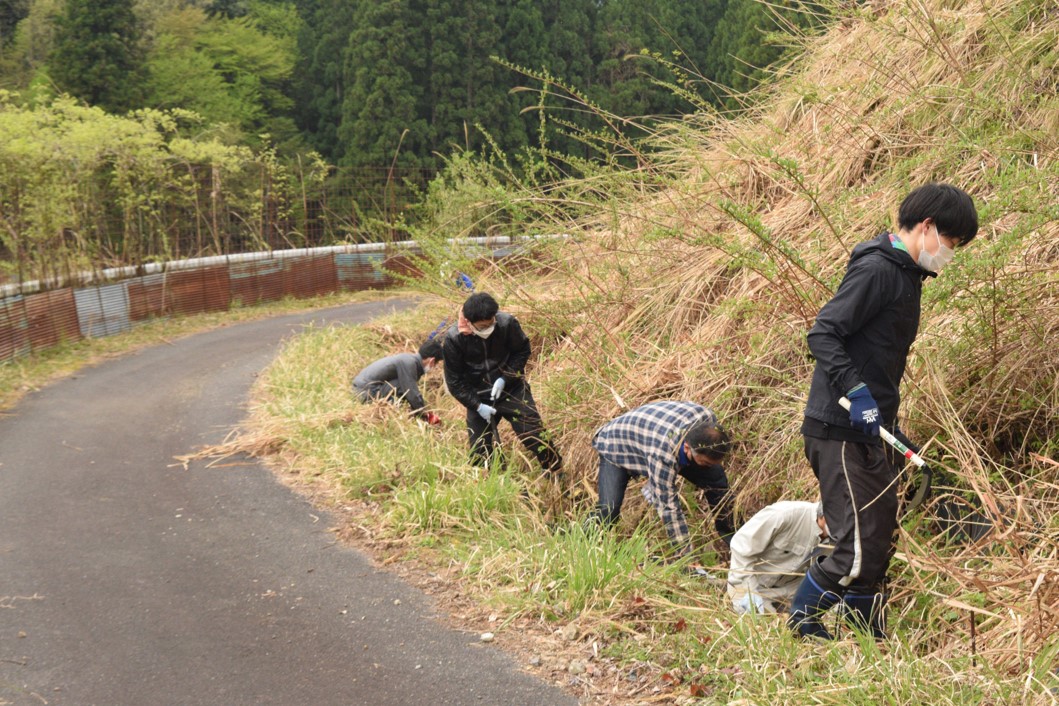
897 243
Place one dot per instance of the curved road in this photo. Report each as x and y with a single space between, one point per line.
126 579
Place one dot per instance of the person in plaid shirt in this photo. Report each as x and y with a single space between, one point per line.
662 442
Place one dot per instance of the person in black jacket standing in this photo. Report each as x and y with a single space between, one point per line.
860 341
485 356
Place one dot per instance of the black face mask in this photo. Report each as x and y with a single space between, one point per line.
711 476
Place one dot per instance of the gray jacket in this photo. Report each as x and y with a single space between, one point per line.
393 376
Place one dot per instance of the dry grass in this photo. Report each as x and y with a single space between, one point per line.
698 278
704 290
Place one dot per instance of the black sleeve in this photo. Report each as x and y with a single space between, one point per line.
859 299
519 351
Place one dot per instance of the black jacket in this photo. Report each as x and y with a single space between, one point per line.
473 364
863 335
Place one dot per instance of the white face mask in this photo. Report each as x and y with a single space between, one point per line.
935 262
485 332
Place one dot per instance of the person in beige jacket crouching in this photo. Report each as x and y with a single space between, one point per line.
771 553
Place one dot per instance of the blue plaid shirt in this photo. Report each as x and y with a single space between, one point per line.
645 442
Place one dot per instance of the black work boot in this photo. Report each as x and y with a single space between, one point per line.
808 606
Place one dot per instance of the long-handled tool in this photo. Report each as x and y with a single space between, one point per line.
924 486
494 420
494 428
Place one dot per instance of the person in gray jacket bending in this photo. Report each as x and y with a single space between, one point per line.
771 553
396 377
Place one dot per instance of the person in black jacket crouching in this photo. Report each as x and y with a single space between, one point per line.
485 356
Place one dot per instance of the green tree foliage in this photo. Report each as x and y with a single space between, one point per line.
323 58
485 100
445 99
385 68
11 13
748 40
467 89
525 40
568 49
30 45
423 69
226 8
98 57
624 29
281 24
432 63
629 32
364 82
525 43
230 71
152 12
79 186
185 75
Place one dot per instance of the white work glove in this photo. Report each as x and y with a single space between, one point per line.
486 412
498 387
748 600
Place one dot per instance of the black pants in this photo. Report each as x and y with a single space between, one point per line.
859 491
519 409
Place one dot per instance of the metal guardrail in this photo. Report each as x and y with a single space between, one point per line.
38 315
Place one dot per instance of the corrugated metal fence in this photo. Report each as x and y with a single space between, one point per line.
32 319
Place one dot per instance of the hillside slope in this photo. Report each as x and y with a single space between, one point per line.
697 274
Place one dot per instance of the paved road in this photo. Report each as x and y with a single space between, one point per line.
127 580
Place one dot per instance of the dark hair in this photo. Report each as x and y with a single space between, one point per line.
709 438
951 208
432 349
480 307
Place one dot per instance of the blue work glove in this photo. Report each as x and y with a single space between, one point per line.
498 387
864 412
486 412
751 603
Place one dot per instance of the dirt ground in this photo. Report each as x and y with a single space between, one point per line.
567 655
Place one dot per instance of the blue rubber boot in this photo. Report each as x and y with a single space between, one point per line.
809 604
866 612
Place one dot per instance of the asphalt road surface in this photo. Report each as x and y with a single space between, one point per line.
127 579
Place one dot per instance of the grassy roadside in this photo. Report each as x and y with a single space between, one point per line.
585 611
32 372
695 275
